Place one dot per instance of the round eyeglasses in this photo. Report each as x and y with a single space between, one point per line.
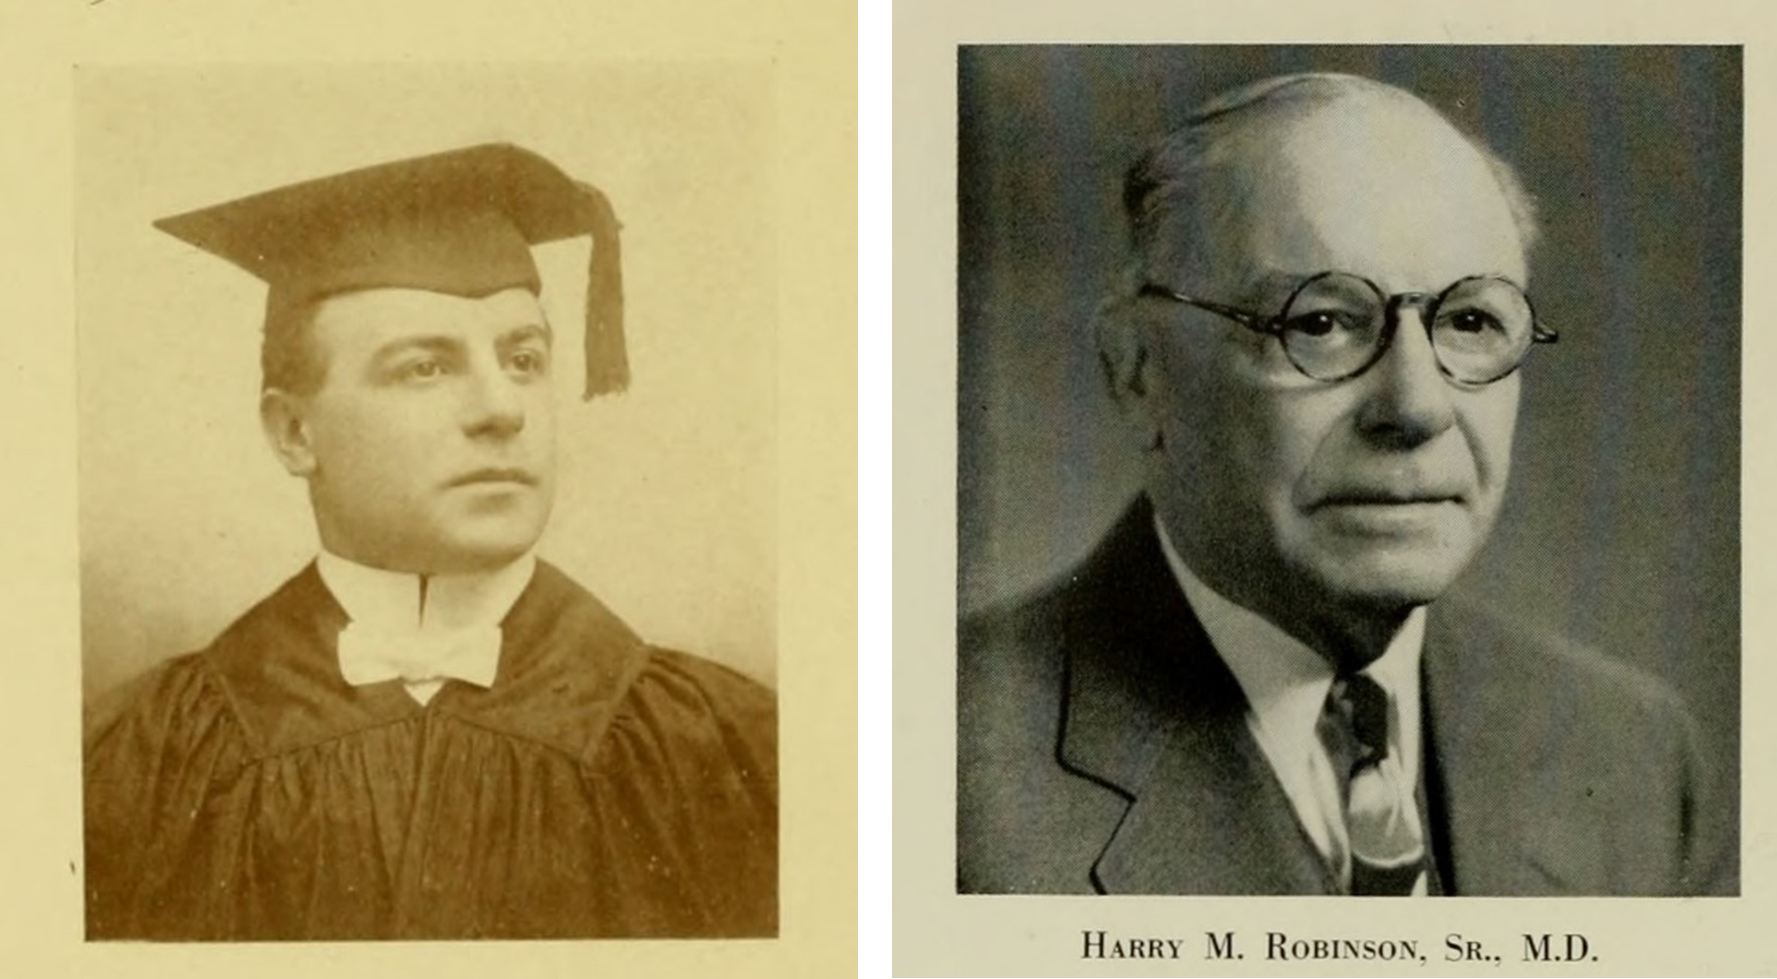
1336 325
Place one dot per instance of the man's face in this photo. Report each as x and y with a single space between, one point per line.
1301 498
433 431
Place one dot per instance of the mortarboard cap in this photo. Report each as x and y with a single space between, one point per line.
460 222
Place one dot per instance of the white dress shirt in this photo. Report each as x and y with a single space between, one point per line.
429 615
1286 685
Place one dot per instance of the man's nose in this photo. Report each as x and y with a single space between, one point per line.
494 405
1409 400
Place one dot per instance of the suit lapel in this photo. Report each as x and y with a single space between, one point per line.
1487 739
1153 713
1210 819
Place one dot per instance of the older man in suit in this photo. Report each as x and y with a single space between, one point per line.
1247 688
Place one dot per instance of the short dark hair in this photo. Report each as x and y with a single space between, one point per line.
289 358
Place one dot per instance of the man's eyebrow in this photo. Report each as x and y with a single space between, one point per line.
445 343
527 332
1260 287
401 345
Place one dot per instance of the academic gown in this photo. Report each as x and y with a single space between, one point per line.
600 787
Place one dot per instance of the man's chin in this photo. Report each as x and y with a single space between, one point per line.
482 546
1393 566
482 533
1391 583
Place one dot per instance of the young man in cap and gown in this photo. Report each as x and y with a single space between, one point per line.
428 732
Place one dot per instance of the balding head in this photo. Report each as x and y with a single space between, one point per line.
1192 188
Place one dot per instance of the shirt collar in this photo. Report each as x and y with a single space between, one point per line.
393 599
1286 682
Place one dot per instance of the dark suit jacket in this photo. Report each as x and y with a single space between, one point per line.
1102 747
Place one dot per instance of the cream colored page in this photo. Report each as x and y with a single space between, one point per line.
716 511
939 932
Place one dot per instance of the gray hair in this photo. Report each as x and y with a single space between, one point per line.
1178 195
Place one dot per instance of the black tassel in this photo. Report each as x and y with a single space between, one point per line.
607 356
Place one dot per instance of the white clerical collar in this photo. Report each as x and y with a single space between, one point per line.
401 600
1286 682
422 629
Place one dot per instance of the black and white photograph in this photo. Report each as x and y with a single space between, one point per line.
427 501
1348 470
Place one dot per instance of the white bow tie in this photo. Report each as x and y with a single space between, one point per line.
373 655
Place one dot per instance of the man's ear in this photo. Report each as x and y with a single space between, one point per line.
1128 369
286 428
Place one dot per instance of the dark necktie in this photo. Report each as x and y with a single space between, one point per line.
1387 847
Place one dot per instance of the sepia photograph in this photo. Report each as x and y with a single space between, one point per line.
1348 470
428 475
